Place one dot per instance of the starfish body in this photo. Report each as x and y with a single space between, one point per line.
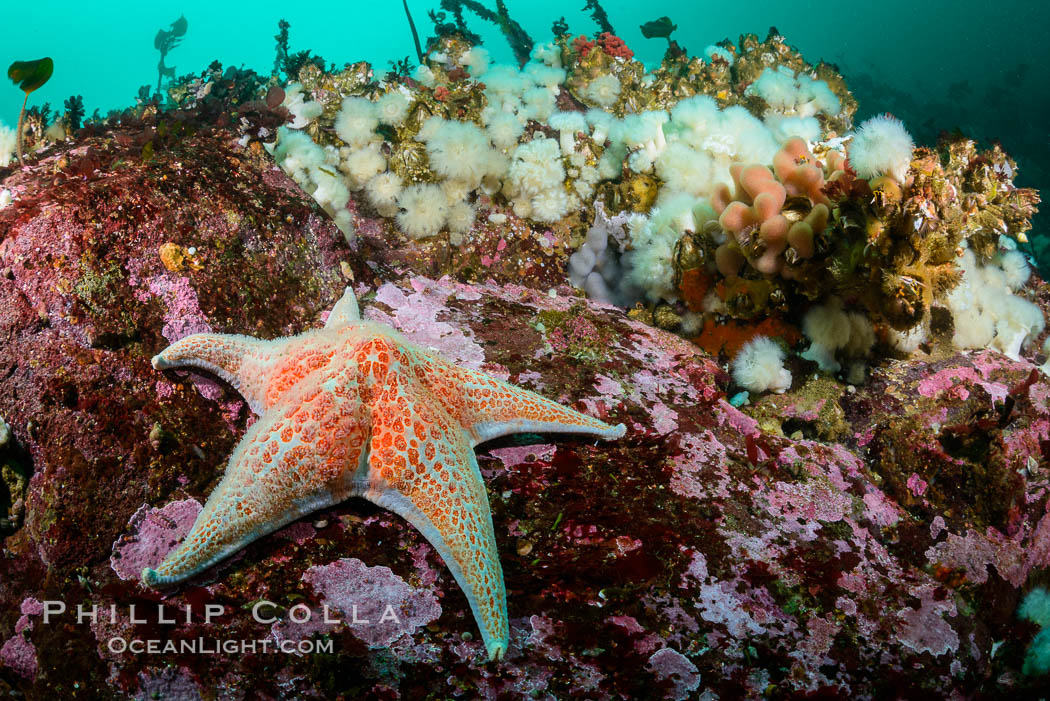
354 409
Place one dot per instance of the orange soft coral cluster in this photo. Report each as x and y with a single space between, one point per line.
752 217
799 171
758 231
725 338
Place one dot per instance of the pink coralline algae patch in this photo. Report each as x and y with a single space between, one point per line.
164 389
427 575
150 536
947 380
1013 557
864 437
986 362
574 333
527 677
530 379
1039 395
18 652
973 554
937 526
647 387
812 651
655 349
519 455
607 386
880 510
584 534
803 504
665 419
361 593
804 411
696 571
182 312
847 605
734 610
542 636
466 293
700 456
825 461
1025 445
736 419
415 315
720 603
917 485
488 260
683 626
668 664
31 607
564 297
209 388
924 629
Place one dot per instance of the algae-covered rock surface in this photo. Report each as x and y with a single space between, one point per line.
870 541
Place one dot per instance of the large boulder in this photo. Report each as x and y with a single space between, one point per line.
872 541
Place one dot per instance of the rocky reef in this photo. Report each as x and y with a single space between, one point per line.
869 540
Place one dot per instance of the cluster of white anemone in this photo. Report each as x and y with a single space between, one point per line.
688 148
986 312
836 334
8 144
793 100
985 309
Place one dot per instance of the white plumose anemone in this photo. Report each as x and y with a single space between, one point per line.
424 210
881 146
759 367
604 90
392 108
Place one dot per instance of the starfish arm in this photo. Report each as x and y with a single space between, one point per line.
243 361
345 311
491 408
287 465
422 467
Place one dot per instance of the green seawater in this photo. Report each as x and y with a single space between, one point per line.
976 66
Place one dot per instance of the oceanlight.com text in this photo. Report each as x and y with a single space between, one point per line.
205 646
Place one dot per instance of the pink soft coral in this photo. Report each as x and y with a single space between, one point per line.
761 234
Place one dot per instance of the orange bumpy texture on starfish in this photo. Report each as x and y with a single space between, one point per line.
354 409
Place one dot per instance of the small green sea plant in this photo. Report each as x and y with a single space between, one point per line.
520 41
660 28
599 16
415 34
29 75
165 41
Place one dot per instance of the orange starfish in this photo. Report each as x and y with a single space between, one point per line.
354 409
